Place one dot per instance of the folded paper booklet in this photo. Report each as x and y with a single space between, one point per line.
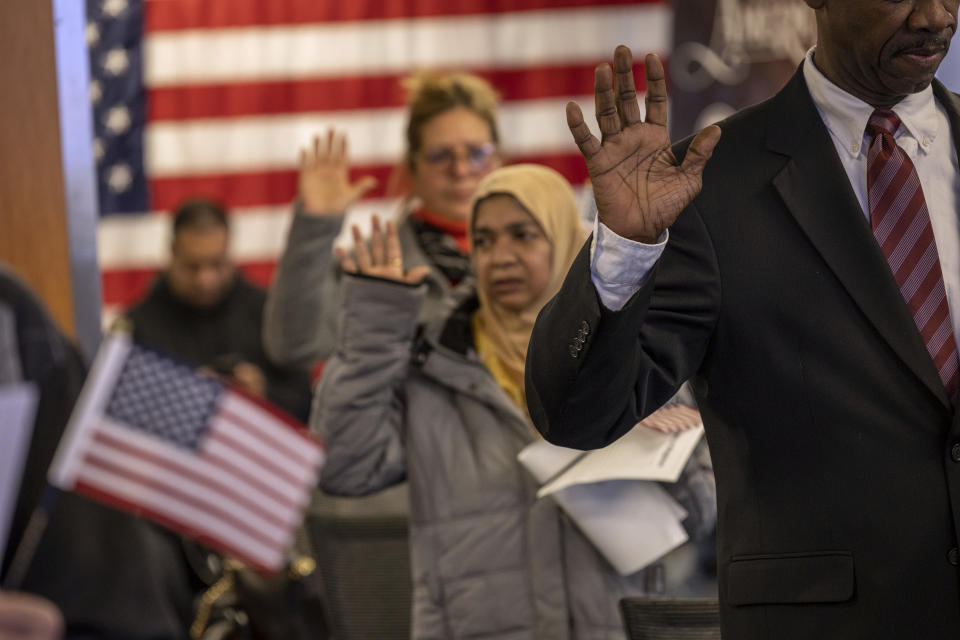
656 449
631 522
18 403
612 494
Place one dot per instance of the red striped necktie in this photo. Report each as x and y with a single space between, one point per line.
901 225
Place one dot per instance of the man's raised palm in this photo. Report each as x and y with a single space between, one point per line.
639 187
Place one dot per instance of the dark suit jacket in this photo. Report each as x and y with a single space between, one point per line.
834 444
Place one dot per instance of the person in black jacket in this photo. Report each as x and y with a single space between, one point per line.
112 576
202 311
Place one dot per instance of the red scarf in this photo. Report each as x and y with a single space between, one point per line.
456 229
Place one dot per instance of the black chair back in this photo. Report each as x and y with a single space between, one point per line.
668 618
363 560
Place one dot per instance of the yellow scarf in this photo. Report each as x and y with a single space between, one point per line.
501 335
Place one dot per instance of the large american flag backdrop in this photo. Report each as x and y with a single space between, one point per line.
214 98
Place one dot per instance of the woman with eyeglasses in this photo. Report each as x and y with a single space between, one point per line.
452 143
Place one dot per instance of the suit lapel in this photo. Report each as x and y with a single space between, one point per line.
815 189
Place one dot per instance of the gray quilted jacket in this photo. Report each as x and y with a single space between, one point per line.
300 316
489 560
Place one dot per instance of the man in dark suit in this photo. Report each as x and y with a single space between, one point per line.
807 292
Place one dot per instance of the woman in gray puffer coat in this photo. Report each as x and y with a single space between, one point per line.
442 406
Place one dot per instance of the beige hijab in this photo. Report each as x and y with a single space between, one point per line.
504 333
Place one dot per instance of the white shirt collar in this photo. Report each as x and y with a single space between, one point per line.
846 115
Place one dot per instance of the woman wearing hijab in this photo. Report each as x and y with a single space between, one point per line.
442 406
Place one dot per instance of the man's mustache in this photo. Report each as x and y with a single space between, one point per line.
927 46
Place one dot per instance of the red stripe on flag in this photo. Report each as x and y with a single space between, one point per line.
95 493
285 421
275 187
230 465
175 15
95 461
127 286
296 427
259 273
219 433
189 472
239 189
345 94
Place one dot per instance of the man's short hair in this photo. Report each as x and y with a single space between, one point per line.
199 214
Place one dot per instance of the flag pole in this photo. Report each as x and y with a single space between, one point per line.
30 541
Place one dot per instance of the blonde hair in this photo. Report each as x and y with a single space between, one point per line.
430 93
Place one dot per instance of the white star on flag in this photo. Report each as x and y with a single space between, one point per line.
92 33
120 177
96 92
118 119
98 148
116 61
114 8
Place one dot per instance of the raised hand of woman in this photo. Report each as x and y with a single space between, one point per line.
639 186
324 183
381 257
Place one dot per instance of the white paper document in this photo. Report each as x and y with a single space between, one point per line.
612 493
641 454
631 522
18 404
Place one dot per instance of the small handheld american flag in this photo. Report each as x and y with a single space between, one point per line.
152 437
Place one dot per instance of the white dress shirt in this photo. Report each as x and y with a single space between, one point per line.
618 266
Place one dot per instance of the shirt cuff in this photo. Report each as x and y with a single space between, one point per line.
618 266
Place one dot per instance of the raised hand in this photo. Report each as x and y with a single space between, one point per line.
324 181
639 186
383 258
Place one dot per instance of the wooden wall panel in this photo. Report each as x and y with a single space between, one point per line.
33 225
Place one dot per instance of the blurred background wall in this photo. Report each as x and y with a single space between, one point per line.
949 72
